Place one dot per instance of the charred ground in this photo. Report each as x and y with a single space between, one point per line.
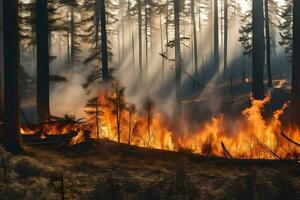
108 170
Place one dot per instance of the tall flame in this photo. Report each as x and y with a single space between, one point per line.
251 136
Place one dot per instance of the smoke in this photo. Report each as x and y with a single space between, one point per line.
70 97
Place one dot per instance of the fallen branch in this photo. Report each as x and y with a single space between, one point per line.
290 140
225 151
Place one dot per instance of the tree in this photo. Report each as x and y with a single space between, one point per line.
286 28
225 37
131 109
42 36
11 76
258 49
194 38
177 59
139 5
118 104
296 64
93 110
216 36
105 73
100 53
149 108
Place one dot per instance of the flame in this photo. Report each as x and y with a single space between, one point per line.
251 136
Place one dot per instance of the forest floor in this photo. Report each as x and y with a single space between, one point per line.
107 170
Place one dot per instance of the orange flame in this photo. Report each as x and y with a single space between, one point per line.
251 136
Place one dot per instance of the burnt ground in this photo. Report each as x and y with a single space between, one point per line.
107 170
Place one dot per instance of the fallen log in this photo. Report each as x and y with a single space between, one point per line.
290 140
47 138
225 151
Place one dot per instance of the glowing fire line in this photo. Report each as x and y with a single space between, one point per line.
248 137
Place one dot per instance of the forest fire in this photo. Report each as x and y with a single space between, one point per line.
111 117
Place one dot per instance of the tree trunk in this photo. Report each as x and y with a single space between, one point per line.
258 55
162 48
177 60
216 37
104 51
268 43
146 42
42 36
11 76
296 65
194 39
72 30
140 40
225 38
167 29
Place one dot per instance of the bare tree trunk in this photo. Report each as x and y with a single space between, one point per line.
146 42
140 40
42 36
177 60
167 28
162 48
216 37
104 51
194 39
133 46
72 30
11 76
268 43
225 37
258 55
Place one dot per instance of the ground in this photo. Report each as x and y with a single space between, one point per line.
107 170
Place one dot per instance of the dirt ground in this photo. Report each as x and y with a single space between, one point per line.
106 170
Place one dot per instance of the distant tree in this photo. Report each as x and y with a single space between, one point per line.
226 18
216 37
258 49
286 28
246 33
195 39
97 26
139 10
11 76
